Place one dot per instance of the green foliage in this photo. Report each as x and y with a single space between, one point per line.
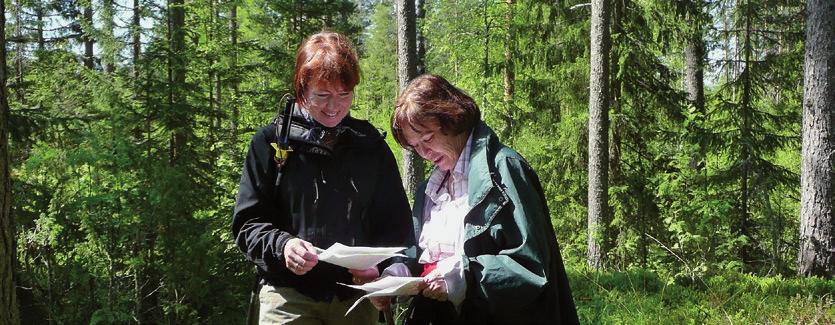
638 296
124 181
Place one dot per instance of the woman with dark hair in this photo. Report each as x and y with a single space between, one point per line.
486 247
315 177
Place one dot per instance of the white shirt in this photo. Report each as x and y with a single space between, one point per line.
442 236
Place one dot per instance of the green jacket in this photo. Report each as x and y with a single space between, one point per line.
513 268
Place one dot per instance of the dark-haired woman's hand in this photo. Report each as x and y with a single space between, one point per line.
435 286
364 276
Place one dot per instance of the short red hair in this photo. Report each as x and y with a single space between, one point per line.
325 57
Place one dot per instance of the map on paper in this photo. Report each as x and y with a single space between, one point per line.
387 286
358 258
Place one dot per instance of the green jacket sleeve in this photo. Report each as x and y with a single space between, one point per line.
513 279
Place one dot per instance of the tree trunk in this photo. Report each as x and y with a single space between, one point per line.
147 279
485 66
8 255
136 32
420 54
109 49
743 225
817 225
39 16
20 54
598 132
177 80
144 299
88 36
694 57
509 71
615 172
233 39
214 81
406 70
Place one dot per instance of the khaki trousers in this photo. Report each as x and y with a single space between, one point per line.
282 305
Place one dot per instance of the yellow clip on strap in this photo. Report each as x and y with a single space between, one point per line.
281 154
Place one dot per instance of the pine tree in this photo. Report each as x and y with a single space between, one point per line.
598 133
817 216
406 71
8 296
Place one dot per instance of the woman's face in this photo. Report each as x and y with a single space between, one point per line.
328 102
435 146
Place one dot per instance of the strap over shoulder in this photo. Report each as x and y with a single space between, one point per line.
293 132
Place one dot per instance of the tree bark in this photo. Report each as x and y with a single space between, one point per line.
817 225
743 225
177 122
406 71
109 48
8 255
485 65
694 57
509 70
20 54
420 54
136 32
88 36
616 122
233 39
39 7
598 132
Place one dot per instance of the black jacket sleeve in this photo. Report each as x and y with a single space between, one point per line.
391 216
254 233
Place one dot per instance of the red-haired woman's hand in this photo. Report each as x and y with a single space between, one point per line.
300 256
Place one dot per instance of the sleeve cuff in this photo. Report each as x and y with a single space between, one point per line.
453 270
396 269
280 242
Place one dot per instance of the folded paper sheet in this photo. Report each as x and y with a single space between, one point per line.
387 286
358 258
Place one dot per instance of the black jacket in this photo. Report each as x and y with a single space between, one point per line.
353 196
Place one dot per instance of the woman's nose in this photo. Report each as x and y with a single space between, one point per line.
422 151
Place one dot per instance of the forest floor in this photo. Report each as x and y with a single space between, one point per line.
638 296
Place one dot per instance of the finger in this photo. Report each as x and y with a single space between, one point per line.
310 247
380 303
297 260
298 249
369 272
310 256
306 267
296 270
308 264
298 265
309 251
369 275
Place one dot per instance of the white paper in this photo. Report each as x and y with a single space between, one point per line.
358 258
386 286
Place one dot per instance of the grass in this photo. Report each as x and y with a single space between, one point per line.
639 296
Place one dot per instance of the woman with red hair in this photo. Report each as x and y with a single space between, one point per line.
339 184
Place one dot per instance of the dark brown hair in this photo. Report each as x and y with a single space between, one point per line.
430 98
328 57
